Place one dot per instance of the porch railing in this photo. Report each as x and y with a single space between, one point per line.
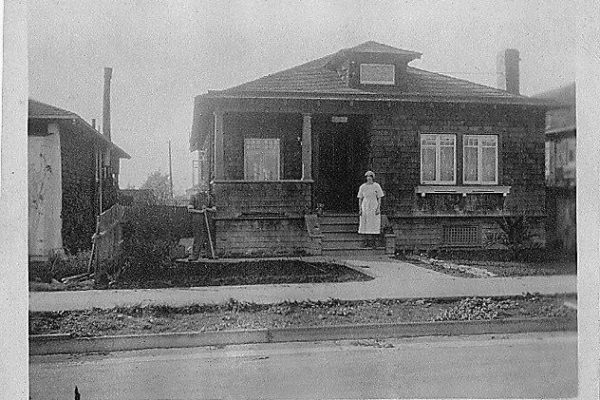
291 198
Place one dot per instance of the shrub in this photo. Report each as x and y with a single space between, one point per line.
518 237
149 234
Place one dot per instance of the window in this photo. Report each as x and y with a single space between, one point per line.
378 74
438 159
261 159
480 159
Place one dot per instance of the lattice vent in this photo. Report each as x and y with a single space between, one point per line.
462 235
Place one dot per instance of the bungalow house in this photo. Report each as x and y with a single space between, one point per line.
73 171
561 140
287 153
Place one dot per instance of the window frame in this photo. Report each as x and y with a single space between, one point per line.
438 147
367 82
278 169
480 146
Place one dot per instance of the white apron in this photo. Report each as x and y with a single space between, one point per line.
370 223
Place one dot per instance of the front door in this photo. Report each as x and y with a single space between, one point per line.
342 160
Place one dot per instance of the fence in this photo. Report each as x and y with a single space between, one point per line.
108 239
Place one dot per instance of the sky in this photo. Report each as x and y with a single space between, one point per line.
164 53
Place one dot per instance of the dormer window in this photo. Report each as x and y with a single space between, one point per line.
377 74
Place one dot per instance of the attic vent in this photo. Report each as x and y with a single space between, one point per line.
462 235
377 74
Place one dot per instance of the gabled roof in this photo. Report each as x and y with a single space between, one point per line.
374 47
39 110
315 80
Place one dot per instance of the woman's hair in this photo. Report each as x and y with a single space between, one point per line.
370 173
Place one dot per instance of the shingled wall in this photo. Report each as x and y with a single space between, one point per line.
395 157
261 237
394 154
79 194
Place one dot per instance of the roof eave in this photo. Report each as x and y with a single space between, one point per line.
521 100
97 135
565 129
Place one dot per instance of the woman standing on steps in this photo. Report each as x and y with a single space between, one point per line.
369 208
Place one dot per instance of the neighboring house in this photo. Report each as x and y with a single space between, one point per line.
561 140
452 156
560 136
68 158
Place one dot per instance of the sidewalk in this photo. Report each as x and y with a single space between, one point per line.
393 279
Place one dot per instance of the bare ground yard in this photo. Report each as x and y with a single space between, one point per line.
196 274
236 315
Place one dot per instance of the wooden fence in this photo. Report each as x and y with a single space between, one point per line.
108 239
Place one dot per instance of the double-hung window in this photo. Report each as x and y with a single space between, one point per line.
438 159
480 159
261 159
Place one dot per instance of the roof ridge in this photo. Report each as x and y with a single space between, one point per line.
383 45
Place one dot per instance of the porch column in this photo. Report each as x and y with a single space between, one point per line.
306 147
218 149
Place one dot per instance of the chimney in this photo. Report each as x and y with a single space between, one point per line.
94 123
106 103
507 67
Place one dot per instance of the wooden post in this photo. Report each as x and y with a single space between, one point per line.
306 148
218 149
170 172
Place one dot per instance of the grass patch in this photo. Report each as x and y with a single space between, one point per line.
241 315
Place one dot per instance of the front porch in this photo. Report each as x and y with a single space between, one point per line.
273 172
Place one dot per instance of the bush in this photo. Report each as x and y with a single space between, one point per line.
149 234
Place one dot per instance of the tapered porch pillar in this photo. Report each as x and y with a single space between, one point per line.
219 170
306 147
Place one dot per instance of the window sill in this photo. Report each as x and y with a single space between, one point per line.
424 190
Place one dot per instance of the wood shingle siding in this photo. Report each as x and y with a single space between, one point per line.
259 237
281 198
79 208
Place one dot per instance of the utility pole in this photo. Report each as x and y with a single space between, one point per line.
170 170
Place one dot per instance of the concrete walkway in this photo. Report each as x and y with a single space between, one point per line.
393 279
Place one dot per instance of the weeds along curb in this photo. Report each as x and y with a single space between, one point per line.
64 344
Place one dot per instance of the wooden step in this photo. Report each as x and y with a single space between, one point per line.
339 228
338 219
353 252
343 237
348 245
